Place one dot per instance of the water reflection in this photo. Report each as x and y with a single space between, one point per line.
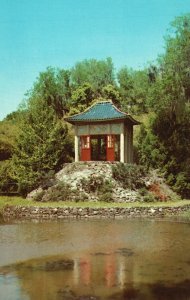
103 276
109 260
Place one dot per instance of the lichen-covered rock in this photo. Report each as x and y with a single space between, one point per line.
94 181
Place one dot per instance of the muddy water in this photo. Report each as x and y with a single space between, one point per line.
110 259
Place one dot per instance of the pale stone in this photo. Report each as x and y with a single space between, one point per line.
34 193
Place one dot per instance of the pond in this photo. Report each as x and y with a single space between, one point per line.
95 259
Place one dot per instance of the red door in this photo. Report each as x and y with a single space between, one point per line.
110 148
85 148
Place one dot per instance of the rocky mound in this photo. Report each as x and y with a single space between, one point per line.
104 181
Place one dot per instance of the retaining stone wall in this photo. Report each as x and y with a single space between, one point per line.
13 212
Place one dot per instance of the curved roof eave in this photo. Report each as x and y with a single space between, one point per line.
104 111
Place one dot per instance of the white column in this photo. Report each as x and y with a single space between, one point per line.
122 152
76 148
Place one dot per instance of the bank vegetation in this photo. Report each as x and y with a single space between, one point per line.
35 142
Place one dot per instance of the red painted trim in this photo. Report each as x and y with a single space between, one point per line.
110 149
85 148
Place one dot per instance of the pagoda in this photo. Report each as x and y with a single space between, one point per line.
103 133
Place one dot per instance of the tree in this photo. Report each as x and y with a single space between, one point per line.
8 132
126 87
111 92
134 87
170 97
43 145
53 86
81 98
97 73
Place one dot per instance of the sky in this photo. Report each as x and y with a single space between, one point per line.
35 34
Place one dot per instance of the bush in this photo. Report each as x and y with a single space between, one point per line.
143 191
93 184
149 198
79 196
106 187
130 176
60 192
97 184
107 197
47 179
7 183
145 195
39 196
182 185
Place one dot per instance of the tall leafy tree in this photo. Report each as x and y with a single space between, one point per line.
53 86
170 97
8 133
81 98
134 87
111 92
44 143
98 73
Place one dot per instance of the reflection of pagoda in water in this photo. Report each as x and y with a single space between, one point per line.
109 270
101 273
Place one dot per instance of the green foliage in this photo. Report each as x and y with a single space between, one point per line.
7 182
142 191
38 197
98 185
107 197
112 93
53 88
97 73
130 176
151 151
146 195
43 145
47 179
92 184
182 184
9 131
149 198
60 192
81 98
106 187
134 87
92 80
166 143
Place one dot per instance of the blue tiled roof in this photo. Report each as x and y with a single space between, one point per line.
100 111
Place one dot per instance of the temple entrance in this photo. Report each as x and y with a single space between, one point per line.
98 147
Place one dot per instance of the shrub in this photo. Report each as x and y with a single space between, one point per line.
7 182
149 198
93 184
107 197
158 193
78 195
106 187
130 176
182 185
39 196
143 191
60 192
47 179
97 184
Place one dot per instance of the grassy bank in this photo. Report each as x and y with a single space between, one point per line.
18 201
